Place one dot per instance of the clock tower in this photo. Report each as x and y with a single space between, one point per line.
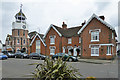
20 37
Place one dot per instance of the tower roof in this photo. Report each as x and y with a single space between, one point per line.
20 13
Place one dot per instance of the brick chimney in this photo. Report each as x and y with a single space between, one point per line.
102 17
64 26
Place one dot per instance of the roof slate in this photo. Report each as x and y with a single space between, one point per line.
69 32
34 33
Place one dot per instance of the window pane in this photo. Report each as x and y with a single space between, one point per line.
52 40
95 35
37 46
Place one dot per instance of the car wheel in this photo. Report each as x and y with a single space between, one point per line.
40 58
21 57
55 58
70 60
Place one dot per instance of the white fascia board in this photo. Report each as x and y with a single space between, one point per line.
102 45
54 29
34 39
47 31
107 44
95 16
41 40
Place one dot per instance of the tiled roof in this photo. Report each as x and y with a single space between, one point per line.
10 37
32 33
69 32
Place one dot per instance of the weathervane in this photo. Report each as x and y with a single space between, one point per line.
21 6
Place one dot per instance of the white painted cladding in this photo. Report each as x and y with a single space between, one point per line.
17 25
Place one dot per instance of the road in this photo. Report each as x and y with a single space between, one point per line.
19 68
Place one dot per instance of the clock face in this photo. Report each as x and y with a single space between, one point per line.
24 27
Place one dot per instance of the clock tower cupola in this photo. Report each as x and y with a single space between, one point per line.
20 22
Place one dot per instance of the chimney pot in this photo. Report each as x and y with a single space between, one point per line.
102 17
64 26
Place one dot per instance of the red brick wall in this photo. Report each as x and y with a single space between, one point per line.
75 41
104 37
15 34
57 44
42 47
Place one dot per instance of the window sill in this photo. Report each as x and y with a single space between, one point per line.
94 40
69 43
52 43
94 55
108 54
52 53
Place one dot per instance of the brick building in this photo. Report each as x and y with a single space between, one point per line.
37 43
98 38
63 39
93 39
19 40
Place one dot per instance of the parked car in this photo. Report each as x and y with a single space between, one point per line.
3 56
10 55
21 55
65 57
37 56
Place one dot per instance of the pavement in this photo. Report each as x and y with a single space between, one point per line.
96 61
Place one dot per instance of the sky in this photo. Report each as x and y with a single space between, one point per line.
41 13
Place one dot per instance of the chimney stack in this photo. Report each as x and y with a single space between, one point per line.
64 26
83 22
102 17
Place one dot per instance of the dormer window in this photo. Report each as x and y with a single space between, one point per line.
69 41
52 39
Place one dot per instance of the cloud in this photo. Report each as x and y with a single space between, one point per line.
41 13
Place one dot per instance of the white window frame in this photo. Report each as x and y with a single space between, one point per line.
52 38
69 40
38 46
108 50
52 50
94 51
93 36
79 39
